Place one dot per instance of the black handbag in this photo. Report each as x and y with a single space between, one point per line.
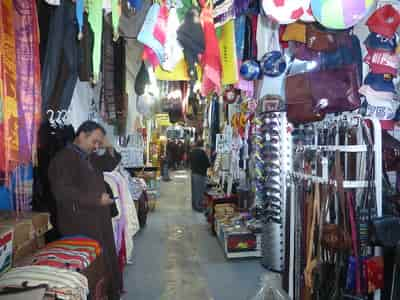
385 231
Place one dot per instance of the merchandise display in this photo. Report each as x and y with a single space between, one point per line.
277 120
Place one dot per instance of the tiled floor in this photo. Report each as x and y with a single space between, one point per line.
176 257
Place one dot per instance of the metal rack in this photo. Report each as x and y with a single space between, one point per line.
348 184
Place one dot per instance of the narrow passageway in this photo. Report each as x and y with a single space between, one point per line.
176 257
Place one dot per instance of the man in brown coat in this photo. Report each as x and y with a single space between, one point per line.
77 182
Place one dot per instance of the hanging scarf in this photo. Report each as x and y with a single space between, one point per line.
37 114
227 46
10 106
24 27
95 11
210 61
116 13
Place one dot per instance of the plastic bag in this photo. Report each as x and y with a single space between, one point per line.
271 288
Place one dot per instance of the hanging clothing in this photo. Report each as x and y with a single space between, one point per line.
78 184
51 139
95 11
60 67
211 61
28 68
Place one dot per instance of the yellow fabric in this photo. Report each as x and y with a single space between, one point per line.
180 73
227 47
295 32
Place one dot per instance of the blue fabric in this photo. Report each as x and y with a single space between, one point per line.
137 4
5 199
378 42
240 26
79 14
379 83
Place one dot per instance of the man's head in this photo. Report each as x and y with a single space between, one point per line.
200 143
90 136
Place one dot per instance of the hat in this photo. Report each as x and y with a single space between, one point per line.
384 21
250 70
380 82
367 91
381 109
382 62
273 64
285 11
380 42
191 37
340 14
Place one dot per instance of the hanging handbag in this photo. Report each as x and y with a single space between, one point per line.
336 237
312 263
300 108
385 231
335 90
390 152
320 40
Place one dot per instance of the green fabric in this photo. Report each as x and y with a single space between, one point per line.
95 18
186 5
115 16
218 31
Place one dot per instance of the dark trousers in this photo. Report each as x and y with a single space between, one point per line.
61 57
198 190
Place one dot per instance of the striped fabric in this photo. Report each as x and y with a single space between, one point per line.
66 284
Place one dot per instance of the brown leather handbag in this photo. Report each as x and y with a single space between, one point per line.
336 237
319 39
300 104
390 152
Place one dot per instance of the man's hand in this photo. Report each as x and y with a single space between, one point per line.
105 199
107 145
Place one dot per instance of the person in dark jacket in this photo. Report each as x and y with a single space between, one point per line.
83 205
199 163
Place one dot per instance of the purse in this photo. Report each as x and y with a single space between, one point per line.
335 237
300 108
385 231
320 40
390 152
335 90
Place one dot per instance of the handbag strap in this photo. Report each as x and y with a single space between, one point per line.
354 238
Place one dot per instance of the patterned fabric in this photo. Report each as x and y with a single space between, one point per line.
66 284
9 77
25 26
78 243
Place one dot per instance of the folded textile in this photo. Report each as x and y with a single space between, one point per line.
68 285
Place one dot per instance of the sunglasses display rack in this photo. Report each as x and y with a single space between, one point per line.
270 164
307 145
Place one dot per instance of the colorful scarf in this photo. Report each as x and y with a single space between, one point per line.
211 61
9 78
24 42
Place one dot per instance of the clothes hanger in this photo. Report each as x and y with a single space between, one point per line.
52 121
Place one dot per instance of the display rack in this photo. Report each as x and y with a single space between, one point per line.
348 184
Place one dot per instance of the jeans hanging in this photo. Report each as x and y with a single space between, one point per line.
62 49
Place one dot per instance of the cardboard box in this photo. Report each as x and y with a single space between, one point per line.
6 248
227 210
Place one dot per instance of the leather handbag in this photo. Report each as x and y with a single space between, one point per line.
320 39
390 152
300 106
385 231
336 237
335 90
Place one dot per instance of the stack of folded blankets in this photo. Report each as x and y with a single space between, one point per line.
381 99
58 266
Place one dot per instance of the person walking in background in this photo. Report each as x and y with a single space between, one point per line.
199 163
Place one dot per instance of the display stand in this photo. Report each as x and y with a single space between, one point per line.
224 238
324 179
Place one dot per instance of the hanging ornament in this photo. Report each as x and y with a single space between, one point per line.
286 11
341 14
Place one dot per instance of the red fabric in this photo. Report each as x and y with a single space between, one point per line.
281 31
382 62
150 56
210 60
161 25
384 21
254 25
374 266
